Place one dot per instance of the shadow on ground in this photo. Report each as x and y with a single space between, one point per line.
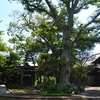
90 93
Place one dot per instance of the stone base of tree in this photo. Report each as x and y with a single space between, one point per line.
2 89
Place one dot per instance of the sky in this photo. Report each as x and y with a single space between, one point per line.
6 9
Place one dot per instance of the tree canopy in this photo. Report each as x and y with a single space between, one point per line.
62 13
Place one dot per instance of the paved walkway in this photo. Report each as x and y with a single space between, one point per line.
90 93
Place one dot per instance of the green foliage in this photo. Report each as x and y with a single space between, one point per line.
81 89
59 89
3 46
58 31
54 67
11 64
79 72
56 94
3 61
71 88
42 36
49 65
8 69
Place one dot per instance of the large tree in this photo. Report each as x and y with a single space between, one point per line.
62 13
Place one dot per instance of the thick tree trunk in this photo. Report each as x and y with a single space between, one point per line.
66 42
65 75
66 55
65 72
67 45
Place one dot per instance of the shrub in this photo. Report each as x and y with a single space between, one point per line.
58 89
71 89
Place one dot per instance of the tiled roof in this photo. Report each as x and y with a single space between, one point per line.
91 59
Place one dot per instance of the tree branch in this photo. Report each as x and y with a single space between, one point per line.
92 40
53 12
45 43
82 28
40 9
81 6
75 4
92 20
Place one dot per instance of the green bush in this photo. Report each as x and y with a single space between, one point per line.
71 89
43 86
59 89
55 94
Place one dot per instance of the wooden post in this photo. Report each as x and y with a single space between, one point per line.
22 79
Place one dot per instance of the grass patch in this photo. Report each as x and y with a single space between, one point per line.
55 94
